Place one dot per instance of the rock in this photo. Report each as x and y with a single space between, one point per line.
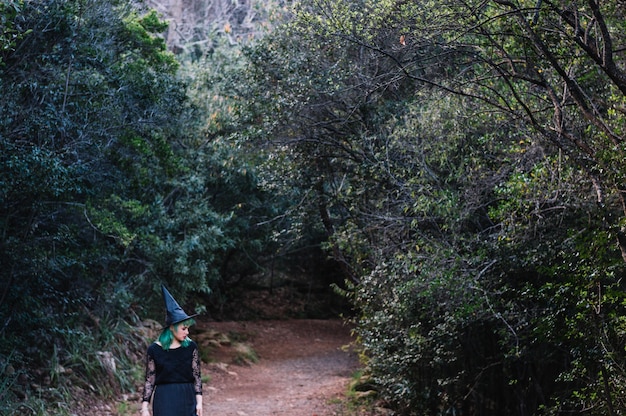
9 370
107 361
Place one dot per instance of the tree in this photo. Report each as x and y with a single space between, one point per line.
91 125
455 217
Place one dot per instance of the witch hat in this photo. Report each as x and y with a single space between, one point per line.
174 313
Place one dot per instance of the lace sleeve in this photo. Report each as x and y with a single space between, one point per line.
148 387
197 374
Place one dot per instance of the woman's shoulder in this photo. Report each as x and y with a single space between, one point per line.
156 345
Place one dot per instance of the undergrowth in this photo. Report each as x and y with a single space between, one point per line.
83 365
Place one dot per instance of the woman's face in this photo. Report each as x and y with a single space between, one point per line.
180 332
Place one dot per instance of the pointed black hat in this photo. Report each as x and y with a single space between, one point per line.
174 313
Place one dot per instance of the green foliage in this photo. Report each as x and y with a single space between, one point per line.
139 32
117 180
258 221
465 168
100 200
9 35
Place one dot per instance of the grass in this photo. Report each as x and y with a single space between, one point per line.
125 409
83 366
244 354
14 397
361 399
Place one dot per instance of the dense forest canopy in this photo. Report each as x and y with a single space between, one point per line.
466 161
460 162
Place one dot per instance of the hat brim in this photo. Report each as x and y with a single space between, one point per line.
180 320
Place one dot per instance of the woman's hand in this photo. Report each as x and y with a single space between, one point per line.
198 405
144 409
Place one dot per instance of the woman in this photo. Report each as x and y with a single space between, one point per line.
173 376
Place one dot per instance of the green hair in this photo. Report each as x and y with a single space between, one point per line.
167 336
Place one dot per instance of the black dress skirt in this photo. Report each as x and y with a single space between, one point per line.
174 400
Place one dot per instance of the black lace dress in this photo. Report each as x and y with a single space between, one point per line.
173 380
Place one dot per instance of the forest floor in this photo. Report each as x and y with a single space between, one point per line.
304 368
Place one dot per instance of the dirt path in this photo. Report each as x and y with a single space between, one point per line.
304 368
